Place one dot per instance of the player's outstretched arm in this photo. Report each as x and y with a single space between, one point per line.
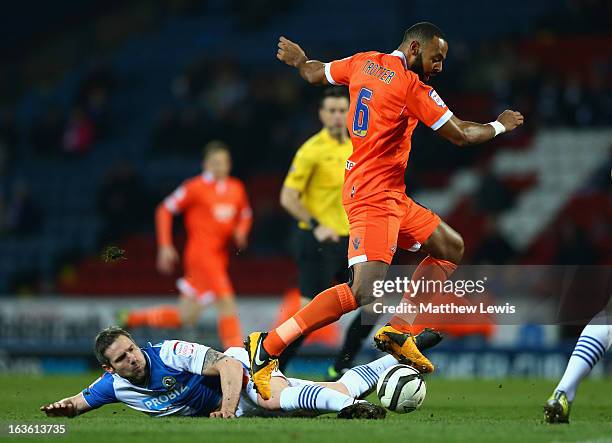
67 407
464 133
230 371
290 53
167 256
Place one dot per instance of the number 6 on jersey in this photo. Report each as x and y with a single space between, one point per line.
362 113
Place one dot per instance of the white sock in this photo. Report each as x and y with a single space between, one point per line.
593 343
313 398
362 378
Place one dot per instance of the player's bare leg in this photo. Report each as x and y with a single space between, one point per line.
400 344
445 249
277 384
326 308
445 244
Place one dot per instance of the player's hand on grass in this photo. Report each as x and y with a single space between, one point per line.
510 119
222 414
324 233
167 258
290 53
62 408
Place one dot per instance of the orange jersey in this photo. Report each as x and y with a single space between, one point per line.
213 210
387 102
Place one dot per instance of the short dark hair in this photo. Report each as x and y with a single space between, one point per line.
214 146
333 91
104 339
422 32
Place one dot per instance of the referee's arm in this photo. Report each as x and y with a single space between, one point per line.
297 180
290 200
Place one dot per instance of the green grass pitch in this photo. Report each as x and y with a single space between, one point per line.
454 410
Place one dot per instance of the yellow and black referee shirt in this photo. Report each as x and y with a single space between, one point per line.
317 171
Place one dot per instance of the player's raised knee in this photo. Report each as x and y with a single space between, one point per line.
364 276
445 244
453 247
457 247
358 289
364 296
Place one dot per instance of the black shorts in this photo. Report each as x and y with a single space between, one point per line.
320 264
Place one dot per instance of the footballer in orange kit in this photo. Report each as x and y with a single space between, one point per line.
389 96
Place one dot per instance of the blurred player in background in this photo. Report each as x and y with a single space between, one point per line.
312 194
189 379
388 99
216 211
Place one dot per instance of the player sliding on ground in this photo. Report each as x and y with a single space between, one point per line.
189 379
388 98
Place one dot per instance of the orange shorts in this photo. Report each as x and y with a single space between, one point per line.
381 223
206 281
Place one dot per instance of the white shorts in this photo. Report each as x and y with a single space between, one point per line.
248 406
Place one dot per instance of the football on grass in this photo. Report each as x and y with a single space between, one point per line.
401 389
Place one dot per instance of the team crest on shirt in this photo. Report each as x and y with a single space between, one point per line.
224 212
436 98
183 348
356 242
168 382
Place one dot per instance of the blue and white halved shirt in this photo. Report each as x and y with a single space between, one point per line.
175 385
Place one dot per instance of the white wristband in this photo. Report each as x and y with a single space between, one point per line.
499 128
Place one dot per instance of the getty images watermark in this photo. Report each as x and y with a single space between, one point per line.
493 294
435 297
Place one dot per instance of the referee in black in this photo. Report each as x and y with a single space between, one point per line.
312 194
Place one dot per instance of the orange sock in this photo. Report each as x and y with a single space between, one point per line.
325 308
165 316
229 331
429 269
